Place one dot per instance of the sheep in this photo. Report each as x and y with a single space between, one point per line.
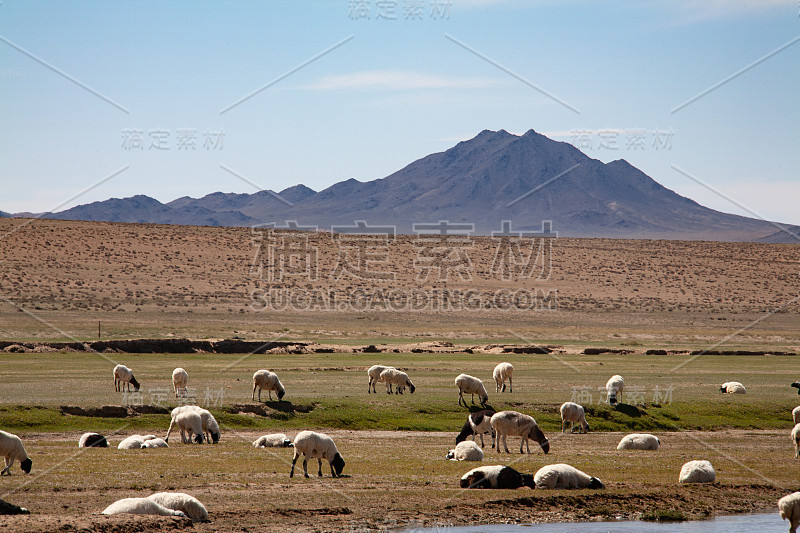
465 451
564 476
92 440
190 423
179 380
796 415
732 387
12 449
789 506
155 443
477 423
134 442
572 412
503 372
276 440
374 373
179 501
513 423
796 439
496 477
639 441
317 446
209 423
123 374
471 385
140 506
392 376
614 387
264 379
796 385
697 472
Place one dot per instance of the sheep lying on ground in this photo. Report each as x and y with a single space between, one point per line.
92 440
180 378
512 423
563 476
639 441
374 373
155 443
697 472
614 387
317 446
266 380
477 423
392 376
503 372
796 440
189 423
465 451
275 440
789 507
471 385
573 413
123 374
179 501
134 442
796 415
496 477
140 506
12 449
732 387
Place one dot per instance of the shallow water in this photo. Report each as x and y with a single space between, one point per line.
764 523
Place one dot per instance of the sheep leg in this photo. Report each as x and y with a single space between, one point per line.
294 460
482 444
510 384
319 474
270 394
171 423
461 397
473 398
254 391
504 387
305 465
7 469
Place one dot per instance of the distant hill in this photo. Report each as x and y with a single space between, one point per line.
789 235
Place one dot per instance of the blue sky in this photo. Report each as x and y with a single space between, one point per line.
90 88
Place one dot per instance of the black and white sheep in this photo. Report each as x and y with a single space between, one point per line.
697 472
796 415
275 440
614 387
796 440
575 414
471 385
374 373
189 423
477 423
317 446
12 449
503 372
515 424
564 476
496 477
123 374
180 501
639 441
789 507
392 376
180 379
465 451
92 440
732 387
266 380
140 506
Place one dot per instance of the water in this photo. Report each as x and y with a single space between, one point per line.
764 523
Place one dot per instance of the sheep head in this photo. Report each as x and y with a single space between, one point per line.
26 465
281 393
527 481
198 438
215 437
595 483
135 384
338 464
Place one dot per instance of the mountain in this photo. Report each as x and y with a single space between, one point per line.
787 235
493 177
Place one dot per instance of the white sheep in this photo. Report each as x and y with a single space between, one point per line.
92 440
796 415
317 446
134 442
503 372
477 423
697 472
465 451
515 424
155 443
123 374
796 439
614 388
209 423
374 373
264 379
180 378
471 385
179 501
573 413
140 506
732 387
564 476
189 423
789 507
392 376
495 477
275 440
12 449
639 441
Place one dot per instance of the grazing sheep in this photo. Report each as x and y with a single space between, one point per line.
134 442
317 446
796 385
563 476
210 425
180 378
12 449
614 388
496 477
179 501
140 506
503 372
572 412
639 441
477 423
123 374
374 374
92 440
697 472
155 443
264 379
732 387
796 439
471 385
465 451
190 423
515 424
796 415
276 440
789 506
392 376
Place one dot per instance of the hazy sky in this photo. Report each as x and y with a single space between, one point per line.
187 98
